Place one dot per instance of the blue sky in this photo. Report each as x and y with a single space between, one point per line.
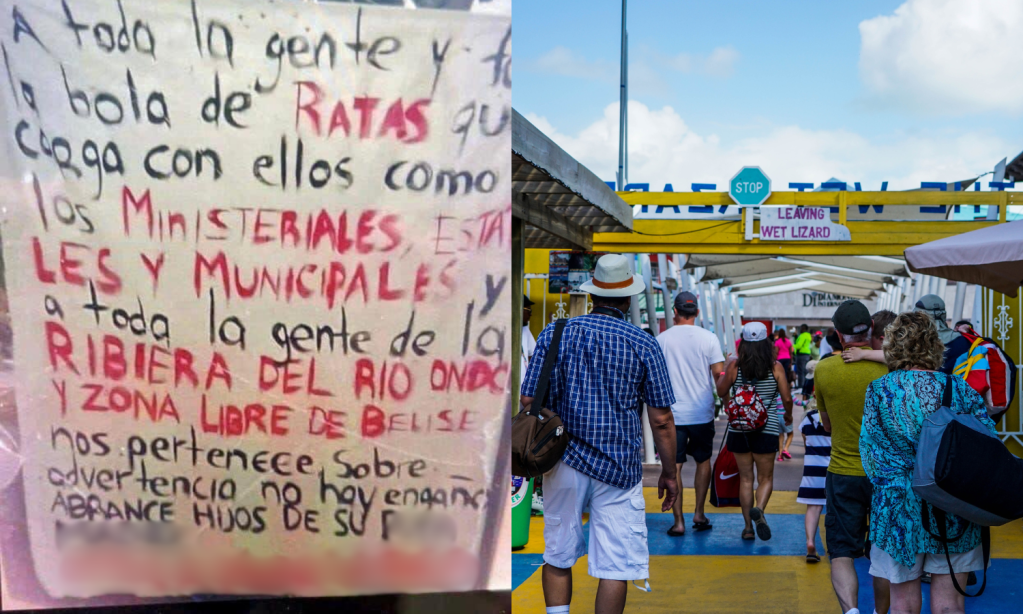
865 91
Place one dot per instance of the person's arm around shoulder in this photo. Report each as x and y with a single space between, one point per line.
783 390
855 354
659 397
818 394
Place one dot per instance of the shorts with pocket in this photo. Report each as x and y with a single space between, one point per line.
757 443
785 428
882 565
846 525
618 534
696 440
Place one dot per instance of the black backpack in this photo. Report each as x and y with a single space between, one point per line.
962 469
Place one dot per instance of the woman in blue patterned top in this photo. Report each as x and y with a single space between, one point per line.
895 409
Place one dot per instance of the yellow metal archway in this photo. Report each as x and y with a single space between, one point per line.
869 238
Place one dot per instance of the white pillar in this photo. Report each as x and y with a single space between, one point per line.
736 316
728 333
978 309
918 286
651 305
648 434
960 301
634 304
669 307
648 439
706 311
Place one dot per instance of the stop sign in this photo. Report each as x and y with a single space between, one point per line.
750 186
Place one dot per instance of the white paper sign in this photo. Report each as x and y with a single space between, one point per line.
785 223
257 259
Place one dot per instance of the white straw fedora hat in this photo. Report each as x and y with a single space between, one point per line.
612 278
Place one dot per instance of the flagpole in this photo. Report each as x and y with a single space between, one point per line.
623 104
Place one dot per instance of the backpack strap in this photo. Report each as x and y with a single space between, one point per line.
971 360
543 384
946 397
941 519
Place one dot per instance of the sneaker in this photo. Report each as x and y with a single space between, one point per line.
537 504
780 458
786 454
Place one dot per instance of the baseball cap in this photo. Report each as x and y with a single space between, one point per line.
526 302
685 298
754 331
851 318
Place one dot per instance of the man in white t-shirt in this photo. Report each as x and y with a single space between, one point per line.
694 362
528 342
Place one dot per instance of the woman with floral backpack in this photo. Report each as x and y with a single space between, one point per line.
748 387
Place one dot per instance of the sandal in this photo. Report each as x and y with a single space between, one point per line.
780 458
673 533
757 516
748 534
786 454
813 558
702 526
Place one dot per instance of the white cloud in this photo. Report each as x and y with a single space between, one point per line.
945 56
567 63
646 67
720 63
664 149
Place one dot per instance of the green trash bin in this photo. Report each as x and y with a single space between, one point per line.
522 507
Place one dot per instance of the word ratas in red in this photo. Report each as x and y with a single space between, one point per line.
401 120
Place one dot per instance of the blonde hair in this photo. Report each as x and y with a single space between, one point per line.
911 340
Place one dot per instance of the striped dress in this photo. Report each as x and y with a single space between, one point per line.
768 390
816 460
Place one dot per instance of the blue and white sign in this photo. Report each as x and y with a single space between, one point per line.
750 187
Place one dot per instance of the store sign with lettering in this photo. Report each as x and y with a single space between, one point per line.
821 299
784 223
257 262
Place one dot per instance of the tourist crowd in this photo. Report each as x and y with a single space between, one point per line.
866 386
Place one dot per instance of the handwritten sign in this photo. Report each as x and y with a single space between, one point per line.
257 260
799 224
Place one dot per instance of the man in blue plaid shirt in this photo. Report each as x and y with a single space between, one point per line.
606 368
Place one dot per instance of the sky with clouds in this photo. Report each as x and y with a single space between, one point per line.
868 91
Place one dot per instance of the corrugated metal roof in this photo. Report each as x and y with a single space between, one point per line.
546 180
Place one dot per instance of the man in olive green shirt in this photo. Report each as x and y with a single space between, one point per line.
841 389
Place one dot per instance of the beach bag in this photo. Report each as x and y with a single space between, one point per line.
963 469
539 438
724 487
989 371
745 411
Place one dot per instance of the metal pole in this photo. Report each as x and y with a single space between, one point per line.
960 300
623 103
662 272
701 299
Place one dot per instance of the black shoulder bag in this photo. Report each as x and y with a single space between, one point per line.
539 438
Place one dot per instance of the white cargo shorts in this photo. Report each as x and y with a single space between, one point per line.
618 536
